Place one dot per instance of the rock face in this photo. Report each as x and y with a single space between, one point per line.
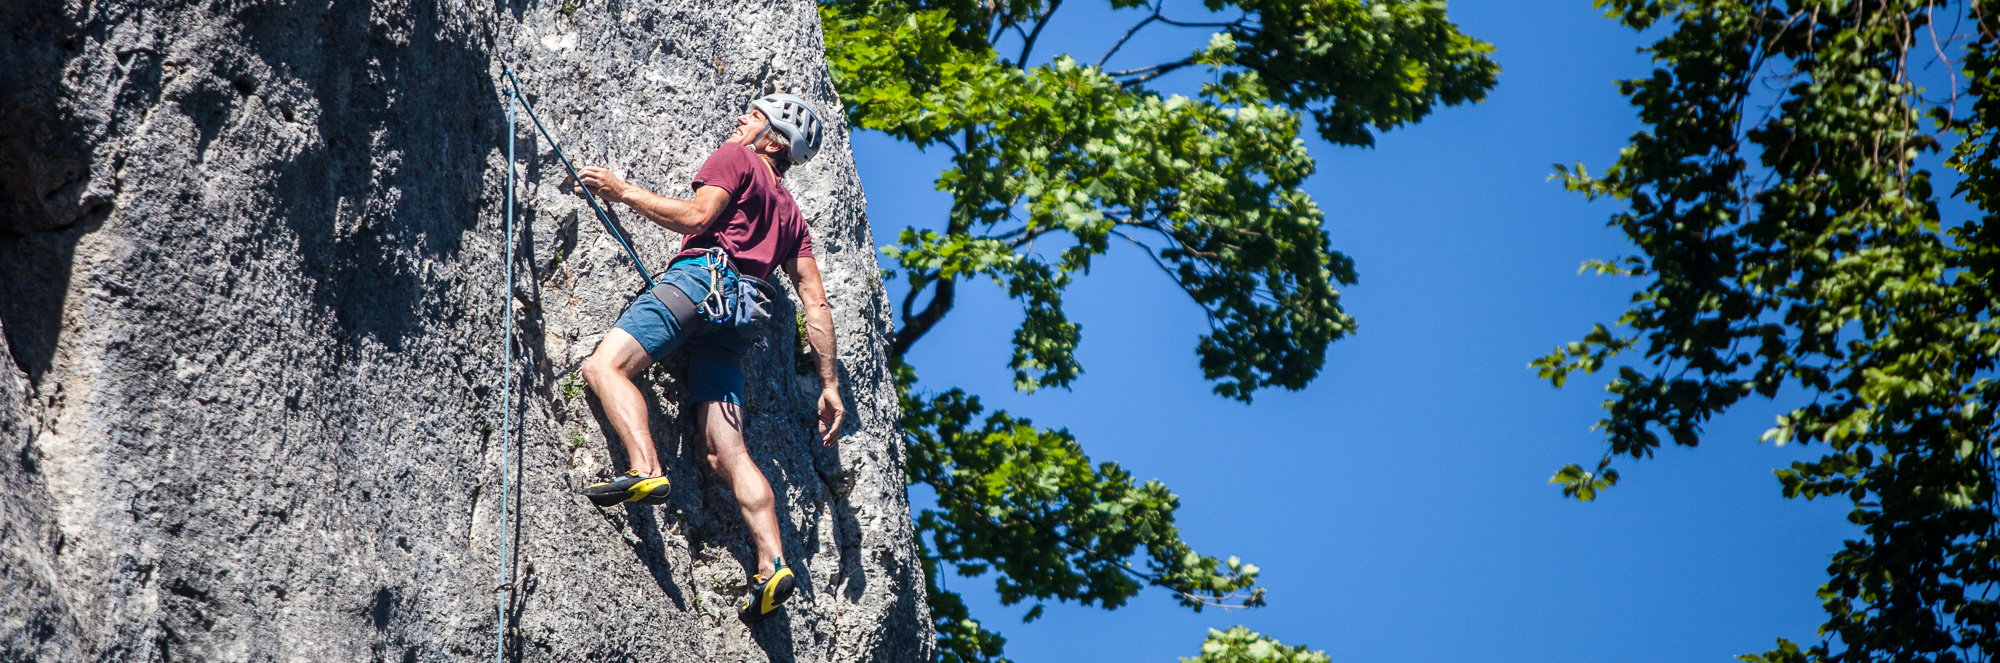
252 287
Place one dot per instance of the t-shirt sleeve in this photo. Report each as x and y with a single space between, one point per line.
728 167
805 244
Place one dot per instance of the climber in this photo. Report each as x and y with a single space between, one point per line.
741 224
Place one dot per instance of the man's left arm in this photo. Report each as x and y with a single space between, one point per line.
819 332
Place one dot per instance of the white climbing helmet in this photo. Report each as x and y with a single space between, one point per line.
796 119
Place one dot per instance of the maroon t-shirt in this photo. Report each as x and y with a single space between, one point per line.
761 227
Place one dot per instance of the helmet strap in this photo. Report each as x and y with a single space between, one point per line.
757 146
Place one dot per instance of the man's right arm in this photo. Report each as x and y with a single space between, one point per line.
686 217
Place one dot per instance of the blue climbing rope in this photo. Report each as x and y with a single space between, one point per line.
601 216
518 100
507 398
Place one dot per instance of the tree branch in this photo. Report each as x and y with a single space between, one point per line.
1009 234
1029 44
1129 33
910 298
1171 274
1157 67
914 327
989 9
1029 238
1149 73
1179 24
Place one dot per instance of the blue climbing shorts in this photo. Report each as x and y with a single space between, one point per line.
715 352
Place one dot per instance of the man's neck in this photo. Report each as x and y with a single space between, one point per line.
769 164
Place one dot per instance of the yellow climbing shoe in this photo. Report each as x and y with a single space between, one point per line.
628 487
767 595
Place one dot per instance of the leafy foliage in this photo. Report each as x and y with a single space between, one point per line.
1207 186
1792 240
1028 503
1077 158
1355 65
1242 645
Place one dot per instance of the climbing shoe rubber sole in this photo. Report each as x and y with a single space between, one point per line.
629 487
767 596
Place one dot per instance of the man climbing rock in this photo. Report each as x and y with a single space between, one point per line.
740 224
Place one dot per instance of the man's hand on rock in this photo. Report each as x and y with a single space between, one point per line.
602 183
832 413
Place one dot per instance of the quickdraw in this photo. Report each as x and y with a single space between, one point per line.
722 279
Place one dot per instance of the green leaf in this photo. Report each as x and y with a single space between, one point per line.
1802 245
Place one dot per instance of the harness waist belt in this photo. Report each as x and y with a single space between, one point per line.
686 316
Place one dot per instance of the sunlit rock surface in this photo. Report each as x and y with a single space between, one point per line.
251 281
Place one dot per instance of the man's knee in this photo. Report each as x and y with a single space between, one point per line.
618 357
599 368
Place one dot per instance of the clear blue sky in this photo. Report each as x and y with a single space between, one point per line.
1398 506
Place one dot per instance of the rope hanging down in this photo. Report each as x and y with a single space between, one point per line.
601 215
506 399
515 96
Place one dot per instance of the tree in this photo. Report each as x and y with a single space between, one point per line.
1242 645
1074 156
1782 202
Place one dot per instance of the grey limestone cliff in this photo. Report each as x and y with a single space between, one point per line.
251 282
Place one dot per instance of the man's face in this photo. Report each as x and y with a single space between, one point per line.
749 126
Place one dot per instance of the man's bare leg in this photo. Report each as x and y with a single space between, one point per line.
722 424
610 369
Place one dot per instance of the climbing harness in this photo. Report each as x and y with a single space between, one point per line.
692 317
721 274
602 217
735 299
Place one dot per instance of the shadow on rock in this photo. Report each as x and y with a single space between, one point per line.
774 636
34 290
383 194
649 548
839 482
